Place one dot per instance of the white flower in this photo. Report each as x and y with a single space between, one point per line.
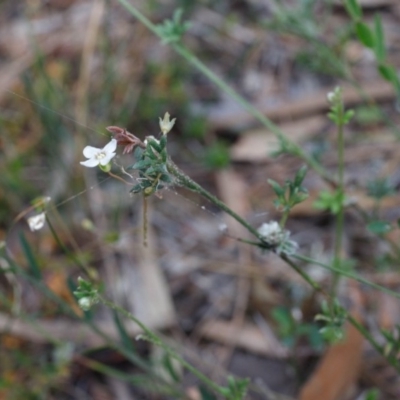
271 232
165 124
277 238
85 303
334 95
37 222
99 156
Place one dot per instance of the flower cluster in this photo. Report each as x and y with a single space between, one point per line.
277 238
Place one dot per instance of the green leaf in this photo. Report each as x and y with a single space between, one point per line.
380 51
379 227
300 175
332 201
123 334
364 34
141 164
353 9
166 178
206 394
277 188
138 153
348 115
388 72
154 144
33 265
169 367
150 153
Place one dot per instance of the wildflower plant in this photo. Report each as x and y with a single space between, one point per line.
173 29
155 170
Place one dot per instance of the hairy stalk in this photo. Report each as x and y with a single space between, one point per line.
193 60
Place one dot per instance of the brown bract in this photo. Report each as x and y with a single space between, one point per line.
125 138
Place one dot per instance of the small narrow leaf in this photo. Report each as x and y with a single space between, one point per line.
364 34
279 191
388 72
380 51
123 334
33 265
300 175
353 9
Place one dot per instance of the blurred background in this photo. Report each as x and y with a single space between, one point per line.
69 69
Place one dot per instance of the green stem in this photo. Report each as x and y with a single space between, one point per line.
340 214
190 184
284 218
347 274
193 60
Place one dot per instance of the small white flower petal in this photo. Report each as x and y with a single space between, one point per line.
92 162
110 147
90 151
165 124
37 222
107 158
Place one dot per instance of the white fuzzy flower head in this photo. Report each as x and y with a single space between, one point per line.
85 303
99 156
278 238
165 124
271 232
37 222
334 95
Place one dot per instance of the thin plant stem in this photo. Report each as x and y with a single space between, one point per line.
145 215
190 184
284 218
340 214
347 274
